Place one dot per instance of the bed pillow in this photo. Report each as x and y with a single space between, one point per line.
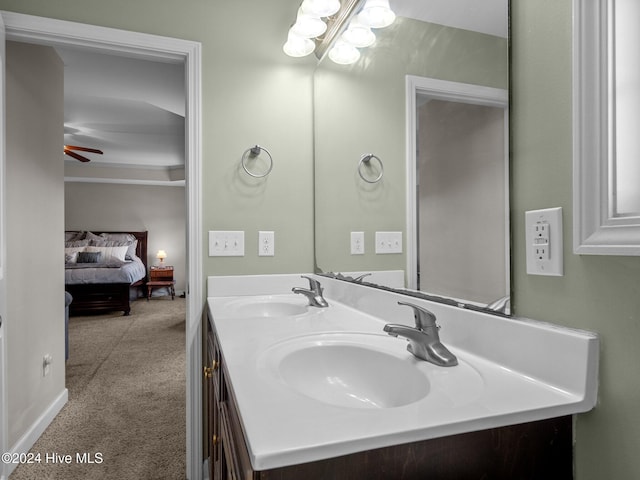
91 236
68 250
118 237
70 257
76 243
117 252
131 244
70 236
89 257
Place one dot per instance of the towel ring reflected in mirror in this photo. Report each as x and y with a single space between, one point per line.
366 160
253 152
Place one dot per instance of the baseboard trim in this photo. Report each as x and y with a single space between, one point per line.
24 444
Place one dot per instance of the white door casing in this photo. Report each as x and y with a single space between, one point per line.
3 256
46 31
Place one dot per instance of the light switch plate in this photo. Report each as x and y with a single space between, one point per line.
226 243
544 242
357 243
388 242
266 244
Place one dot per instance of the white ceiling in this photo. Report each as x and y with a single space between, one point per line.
133 109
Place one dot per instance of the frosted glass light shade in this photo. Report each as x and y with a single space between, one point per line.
377 14
320 8
297 46
308 26
358 35
344 53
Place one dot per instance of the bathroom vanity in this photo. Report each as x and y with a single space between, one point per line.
295 391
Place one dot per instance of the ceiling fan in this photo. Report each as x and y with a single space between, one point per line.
68 150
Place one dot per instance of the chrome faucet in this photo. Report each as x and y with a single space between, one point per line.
424 340
313 294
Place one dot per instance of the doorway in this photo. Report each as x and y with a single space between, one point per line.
30 29
457 190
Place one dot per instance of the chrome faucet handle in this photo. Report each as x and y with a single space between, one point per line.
313 284
359 279
425 320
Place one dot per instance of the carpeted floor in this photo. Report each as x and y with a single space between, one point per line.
126 409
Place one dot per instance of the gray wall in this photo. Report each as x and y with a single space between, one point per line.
461 201
35 219
160 210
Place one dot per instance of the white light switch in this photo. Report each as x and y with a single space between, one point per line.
388 242
544 242
266 244
357 243
226 244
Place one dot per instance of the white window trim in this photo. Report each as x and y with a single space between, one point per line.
595 230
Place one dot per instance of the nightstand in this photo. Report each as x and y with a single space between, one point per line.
161 277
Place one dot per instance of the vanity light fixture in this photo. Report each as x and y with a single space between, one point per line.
347 27
377 14
358 34
344 53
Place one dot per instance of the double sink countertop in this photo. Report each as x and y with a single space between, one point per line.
314 383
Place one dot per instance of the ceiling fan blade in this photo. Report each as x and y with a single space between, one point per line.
76 156
82 149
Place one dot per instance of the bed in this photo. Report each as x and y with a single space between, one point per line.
104 270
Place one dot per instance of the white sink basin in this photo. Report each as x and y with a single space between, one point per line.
268 306
359 370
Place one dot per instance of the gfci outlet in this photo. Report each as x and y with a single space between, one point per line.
544 242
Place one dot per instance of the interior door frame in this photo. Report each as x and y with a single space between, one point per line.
52 32
456 92
3 256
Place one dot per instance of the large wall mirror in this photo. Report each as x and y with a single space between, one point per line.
442 184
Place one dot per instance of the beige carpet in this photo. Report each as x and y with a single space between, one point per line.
126 381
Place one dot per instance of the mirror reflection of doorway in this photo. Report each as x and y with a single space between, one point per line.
461 194
458 192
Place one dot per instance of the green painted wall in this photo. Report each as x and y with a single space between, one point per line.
597 293
252 93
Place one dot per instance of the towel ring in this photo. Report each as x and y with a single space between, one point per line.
366 158
254 152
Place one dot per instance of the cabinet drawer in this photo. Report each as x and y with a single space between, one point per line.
161 274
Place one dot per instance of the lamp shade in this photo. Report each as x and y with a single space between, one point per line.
308 26
297 46
344 53
358 34
377 14
161 254
320 8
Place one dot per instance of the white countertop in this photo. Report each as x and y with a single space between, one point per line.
284 427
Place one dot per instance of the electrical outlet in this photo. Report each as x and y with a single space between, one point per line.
388 242
226 244
266 244
544 242
357 243
46 364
